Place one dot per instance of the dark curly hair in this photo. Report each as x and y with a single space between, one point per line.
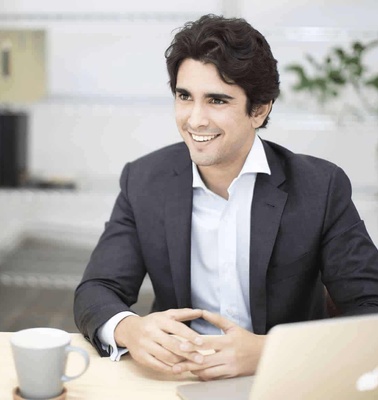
240 53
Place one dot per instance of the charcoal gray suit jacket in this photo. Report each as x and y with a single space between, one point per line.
305 233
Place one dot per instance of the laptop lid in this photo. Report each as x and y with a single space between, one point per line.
329 359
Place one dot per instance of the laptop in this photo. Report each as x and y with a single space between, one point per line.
330 359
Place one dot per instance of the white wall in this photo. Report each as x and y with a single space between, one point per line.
91 143
100 6
108 100
298 27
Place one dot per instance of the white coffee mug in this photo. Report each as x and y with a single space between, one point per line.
40 356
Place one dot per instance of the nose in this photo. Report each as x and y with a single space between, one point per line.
198 117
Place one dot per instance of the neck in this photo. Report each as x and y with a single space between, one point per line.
218 178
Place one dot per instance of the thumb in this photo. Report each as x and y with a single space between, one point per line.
218 321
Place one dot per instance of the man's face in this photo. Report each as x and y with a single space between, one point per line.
211 116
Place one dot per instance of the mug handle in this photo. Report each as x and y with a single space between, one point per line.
66 378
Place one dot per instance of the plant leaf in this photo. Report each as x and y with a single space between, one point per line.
373 82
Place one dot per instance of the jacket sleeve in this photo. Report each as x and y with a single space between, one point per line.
115 272
349 258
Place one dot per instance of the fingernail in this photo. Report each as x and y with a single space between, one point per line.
198 341
198 359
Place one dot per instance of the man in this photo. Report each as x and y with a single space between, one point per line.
237 234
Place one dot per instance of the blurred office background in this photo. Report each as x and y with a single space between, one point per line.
93 94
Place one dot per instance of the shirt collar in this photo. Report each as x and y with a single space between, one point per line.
256 162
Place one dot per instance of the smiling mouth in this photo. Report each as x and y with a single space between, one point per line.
201 138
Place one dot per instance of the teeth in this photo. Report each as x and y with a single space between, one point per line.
203 138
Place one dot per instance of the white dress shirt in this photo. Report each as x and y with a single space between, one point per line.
221 244
219 251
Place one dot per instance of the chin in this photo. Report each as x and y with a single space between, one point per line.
203 160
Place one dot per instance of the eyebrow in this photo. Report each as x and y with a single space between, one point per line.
220 96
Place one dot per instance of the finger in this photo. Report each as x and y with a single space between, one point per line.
187 366
152 347
210 361
184 344
163 354
150 361
209 345
188 347
212 343
217 372
173 344
184 314
184 332
218 321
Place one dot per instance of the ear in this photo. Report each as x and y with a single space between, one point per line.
259 115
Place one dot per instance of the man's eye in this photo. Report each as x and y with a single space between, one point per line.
217 101
183 96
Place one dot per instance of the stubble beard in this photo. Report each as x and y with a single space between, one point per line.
204 160
201 158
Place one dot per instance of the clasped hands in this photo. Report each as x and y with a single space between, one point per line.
162 341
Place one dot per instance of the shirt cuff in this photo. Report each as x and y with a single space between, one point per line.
106 335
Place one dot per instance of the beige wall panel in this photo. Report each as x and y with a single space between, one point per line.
22 66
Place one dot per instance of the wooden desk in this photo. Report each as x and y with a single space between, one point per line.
104 379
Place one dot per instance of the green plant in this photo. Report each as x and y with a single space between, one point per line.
340 68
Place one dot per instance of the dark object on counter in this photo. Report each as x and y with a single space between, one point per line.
55 184
13 148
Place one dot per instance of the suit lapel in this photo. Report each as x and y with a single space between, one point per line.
267 208
178 220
